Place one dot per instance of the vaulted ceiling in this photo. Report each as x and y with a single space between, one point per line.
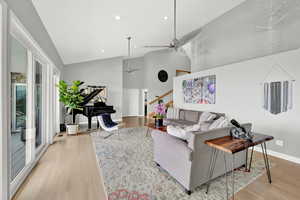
84 30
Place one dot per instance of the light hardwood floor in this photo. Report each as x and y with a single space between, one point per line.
68 171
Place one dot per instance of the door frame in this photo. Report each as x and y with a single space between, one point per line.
4 112
44 130
143 102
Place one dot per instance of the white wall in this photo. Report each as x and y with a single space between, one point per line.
106 72
235 36
28 16
18 61
134 79
239 95
147 77
168 60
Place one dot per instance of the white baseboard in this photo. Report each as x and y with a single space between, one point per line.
133 116
95 121
280 155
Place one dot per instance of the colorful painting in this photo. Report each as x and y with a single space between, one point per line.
200 90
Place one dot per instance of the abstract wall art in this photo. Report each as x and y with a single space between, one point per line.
200 90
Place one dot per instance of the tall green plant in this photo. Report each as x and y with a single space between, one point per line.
70 95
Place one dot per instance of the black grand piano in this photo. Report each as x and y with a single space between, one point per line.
93 104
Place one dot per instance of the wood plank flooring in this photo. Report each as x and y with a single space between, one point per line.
68 171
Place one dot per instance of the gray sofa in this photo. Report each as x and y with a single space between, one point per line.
188 161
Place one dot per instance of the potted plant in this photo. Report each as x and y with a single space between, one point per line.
160 112
70 96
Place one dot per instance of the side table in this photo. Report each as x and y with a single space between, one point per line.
228 144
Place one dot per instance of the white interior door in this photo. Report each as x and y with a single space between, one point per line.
131 102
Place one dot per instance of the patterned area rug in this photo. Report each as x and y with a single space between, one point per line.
126 162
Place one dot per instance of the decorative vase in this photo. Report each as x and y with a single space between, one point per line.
72 129
159 122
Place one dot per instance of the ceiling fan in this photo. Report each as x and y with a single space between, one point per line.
276 16
176 43
130 70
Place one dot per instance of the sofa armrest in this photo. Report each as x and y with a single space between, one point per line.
164 142
174 156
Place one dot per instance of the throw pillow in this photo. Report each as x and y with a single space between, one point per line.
219 123
172 113
195 127
177 131
205 126
206 116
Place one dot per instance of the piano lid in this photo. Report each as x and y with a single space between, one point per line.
92 94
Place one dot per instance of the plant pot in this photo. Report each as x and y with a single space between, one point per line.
72 129
159 122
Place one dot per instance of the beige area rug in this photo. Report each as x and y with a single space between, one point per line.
126 161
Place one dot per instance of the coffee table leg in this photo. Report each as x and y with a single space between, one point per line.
212 164
225 164
147 133
248 164
266 159
233 158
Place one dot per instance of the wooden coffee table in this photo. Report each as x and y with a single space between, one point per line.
152 126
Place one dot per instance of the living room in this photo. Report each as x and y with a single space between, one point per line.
110 100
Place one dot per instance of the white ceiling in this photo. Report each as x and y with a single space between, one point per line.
81 29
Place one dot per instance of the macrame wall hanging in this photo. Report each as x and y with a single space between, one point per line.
278 95
277 90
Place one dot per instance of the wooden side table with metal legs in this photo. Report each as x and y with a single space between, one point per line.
227 144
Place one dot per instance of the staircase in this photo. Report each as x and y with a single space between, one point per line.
168 96
162 97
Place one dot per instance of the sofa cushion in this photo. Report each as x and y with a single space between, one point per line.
177 131
206 116
195 127
178 122
192 116
172 113
219 123
205 126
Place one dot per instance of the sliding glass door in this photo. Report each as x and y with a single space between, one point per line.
27 75
38 104
32 110
19 115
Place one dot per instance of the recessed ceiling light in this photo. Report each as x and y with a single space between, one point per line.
102 50
166 18
117 17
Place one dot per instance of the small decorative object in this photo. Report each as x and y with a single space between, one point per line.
163 76
160 112
70 96
200 90
239 132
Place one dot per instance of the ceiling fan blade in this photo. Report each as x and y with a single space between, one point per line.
158 46
186 38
